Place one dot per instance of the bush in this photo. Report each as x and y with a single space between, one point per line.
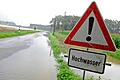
117 41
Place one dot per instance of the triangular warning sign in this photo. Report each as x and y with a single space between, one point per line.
91 31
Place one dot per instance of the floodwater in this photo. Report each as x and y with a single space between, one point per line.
111 72
27 58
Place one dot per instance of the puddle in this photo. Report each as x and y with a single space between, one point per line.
31 63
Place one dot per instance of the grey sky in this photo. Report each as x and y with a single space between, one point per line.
41 11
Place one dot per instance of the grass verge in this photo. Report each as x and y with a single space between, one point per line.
14 33
116 38
65 73
115 54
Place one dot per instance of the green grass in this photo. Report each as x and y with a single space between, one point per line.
65 73
14 33
115 54
58 39
61 37
116 38
55 45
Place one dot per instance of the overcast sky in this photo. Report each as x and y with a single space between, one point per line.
25 12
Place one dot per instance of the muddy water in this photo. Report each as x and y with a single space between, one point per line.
27 58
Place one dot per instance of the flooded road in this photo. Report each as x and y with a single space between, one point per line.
27 58
111 72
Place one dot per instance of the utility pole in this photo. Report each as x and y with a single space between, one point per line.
65 13
54 25
64 22
19 29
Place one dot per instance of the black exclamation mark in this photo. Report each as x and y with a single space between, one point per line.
91 21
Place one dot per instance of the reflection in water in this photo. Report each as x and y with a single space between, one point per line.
7 52
32 63
8 49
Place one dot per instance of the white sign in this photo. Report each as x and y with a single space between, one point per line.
90 61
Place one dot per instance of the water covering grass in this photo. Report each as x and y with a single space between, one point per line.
65 73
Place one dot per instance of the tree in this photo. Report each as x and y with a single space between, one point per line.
113 25
64 22
67 22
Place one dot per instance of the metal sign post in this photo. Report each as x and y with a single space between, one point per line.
90 32
84 75
108 64
84 70
87 61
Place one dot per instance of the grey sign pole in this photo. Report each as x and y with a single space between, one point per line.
75 57
84 75
108 64
84 70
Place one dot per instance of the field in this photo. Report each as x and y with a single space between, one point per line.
6 29
116 38
11 32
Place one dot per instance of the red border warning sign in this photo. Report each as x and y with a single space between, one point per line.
109 44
